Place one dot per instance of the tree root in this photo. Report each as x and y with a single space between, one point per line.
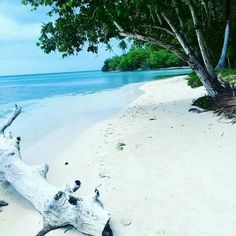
47 229
107 230
225 107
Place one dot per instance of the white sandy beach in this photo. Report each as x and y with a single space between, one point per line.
175 177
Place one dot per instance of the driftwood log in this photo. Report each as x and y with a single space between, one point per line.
58 207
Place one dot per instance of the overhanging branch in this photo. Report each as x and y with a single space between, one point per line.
151 40
156 42
183 42
159 28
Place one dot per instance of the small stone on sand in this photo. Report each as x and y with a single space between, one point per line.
126 222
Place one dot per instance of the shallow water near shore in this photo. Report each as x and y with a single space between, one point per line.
57 108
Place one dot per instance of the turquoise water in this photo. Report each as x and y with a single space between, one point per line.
19 88
58 108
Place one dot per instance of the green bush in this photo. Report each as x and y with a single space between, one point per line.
228 75
106 65
194 81
142 58
206 102
227 71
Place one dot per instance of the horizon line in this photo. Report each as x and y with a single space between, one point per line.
47 73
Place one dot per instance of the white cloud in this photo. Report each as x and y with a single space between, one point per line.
12 30
19 31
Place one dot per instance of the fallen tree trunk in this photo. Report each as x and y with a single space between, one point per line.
59 207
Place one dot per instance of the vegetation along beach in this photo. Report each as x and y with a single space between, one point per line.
117 118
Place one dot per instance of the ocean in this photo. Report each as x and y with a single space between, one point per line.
14 89
63 105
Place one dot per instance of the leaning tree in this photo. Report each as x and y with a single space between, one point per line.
192 29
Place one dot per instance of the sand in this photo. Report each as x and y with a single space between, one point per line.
175 176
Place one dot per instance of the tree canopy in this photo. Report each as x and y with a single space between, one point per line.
79 23
192 29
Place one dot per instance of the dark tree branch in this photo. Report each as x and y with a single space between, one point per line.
178 14
151 40
183 42
157 42
159 28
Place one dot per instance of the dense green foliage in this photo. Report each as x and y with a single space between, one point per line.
205 102
228 74
78 23
194 81
142 59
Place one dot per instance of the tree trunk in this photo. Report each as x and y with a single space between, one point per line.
201 41
58 206
209 81
222 62
233 33
213 86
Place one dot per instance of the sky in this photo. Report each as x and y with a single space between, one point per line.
19 31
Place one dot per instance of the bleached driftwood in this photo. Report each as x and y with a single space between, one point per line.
59 207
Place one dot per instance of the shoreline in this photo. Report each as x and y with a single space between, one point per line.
156 69
175 175
72 116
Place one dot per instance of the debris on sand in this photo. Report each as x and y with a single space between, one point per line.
3 203
120 146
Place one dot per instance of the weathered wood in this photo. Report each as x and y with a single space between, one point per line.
58 206
9 121
46 230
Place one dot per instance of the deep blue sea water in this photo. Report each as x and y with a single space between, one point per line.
58 107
